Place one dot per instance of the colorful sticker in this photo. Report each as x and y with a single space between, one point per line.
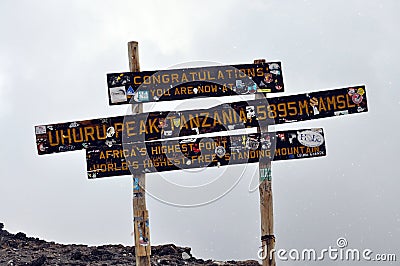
268 78
41 147
273 66
120 79
130 91
177 122
136 186
239 84
143 241
162 123
276 72
265 174
252 144
252 89
357 98
351 91
137 218
361 91
265 142
143 96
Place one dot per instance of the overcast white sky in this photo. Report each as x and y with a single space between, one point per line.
54 56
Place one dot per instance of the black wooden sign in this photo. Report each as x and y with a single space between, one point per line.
163 125
178 84
157 156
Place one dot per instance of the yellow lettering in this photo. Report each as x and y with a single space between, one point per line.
282 110
303 105
88 134
341 102
331 101
118 128
206 115
142 127
292 108
321 105
79 134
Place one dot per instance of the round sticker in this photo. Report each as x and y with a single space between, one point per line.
357 98
220 151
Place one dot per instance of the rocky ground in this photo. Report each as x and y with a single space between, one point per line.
18 250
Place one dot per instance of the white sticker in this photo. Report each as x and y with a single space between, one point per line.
118 94
74 124
110 132
40 130
310 138
337 113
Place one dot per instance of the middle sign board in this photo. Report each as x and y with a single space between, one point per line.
79 135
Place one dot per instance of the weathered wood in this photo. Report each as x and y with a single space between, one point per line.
133 53
266 203
140 213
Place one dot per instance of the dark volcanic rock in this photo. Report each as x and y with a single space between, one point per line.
20 236
20 250
39 261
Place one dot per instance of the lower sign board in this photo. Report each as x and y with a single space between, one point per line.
78 135
158 156
181 84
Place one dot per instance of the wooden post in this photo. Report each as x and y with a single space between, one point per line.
140 213
266 204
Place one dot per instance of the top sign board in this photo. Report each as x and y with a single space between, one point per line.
179 84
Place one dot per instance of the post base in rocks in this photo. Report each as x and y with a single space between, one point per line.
142 261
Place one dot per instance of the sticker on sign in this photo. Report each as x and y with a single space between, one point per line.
310 138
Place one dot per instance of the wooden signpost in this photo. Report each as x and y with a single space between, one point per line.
140 212
152 142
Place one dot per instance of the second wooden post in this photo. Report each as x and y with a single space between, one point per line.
140 213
